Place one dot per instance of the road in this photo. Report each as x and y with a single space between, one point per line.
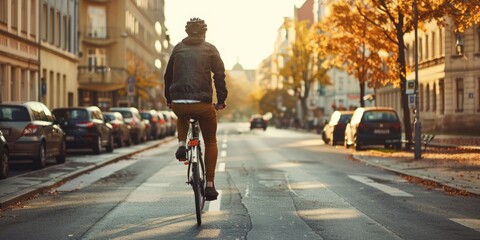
274 184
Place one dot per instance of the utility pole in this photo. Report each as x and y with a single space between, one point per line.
418 146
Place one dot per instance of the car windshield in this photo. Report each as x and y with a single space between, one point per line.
379 116
126 114
345 118
146 115
14 114
109 117
71 114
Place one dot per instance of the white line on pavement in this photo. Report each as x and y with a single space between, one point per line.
214 206
223 153
387 189
470 223
221 167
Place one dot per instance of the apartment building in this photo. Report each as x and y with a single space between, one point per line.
113 36
58 52
449 79
19 51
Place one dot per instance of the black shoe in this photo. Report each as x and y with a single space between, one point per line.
210 194
181 153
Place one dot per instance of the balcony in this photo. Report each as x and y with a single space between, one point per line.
99 36
101 78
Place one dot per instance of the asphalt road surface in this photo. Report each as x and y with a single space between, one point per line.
273 184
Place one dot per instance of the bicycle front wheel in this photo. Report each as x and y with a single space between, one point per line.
197 190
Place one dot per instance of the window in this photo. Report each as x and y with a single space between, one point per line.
426 47
420 49
3 83
64 32
441 85
96 58
440 43
33 17
460 91
97 22
24 15
420 96
427 98
58 34
433 45
434 98
14 20
51 26
44 27
459 44
3 12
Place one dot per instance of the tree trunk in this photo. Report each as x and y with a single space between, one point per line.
362 93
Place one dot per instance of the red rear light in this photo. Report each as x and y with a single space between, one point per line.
397 126
30 129
85 124
114 125
133 123
362 126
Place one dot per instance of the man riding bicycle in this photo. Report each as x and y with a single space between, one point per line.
188 90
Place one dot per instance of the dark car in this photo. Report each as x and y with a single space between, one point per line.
155 129
121 131
131 116
374 126
4 157
334 130
32 132
258 121
85 128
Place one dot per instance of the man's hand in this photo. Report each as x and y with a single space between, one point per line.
220 106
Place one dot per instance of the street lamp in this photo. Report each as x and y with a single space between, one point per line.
418 146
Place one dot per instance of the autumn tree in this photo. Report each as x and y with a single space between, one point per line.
349 42
301 67
145 80
393 19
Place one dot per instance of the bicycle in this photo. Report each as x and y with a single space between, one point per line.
196 167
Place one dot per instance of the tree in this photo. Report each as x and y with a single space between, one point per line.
302 64
393 19
144 80
349 42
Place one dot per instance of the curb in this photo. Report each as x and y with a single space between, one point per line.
25 194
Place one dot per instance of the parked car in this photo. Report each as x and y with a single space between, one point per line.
155 125
258 121
374 126
131 116
163 124
32 132
334 130
85 128
4 157
121 131
170 122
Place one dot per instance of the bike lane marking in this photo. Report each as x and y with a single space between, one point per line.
470 223
214 206
382 187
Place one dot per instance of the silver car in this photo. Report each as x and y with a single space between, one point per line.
32 132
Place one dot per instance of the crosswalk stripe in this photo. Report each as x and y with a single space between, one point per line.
387 189
221 167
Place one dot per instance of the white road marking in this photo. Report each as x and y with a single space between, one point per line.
214 206
387 189
221 167
470 223
223 153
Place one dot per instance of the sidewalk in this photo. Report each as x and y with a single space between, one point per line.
454 162
21 187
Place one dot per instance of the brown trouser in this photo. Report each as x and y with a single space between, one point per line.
207 119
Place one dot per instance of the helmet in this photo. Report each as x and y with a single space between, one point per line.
195 26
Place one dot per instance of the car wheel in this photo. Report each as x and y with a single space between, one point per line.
111 144
41 159
98 145
62 155
4 164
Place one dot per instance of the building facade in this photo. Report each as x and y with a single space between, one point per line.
449 79
19 50
58 52
116 38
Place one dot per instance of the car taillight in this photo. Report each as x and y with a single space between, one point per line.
362 126
397 126
85 124
133 123
30 129
114 125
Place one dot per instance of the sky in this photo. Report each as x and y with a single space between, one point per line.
243 30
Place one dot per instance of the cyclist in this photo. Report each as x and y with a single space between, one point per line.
188 90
